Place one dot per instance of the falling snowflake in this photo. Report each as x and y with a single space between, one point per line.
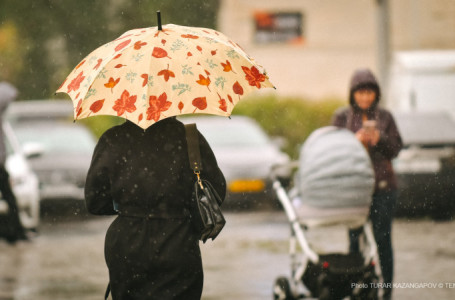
182 87
186 70
220 81
131 76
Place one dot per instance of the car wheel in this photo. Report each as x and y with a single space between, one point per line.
30 215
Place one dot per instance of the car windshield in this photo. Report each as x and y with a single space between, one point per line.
234 135
57 138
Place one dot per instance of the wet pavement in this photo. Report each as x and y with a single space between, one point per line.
65 261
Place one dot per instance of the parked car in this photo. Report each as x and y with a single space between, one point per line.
67 147
425 168
245 154
23 180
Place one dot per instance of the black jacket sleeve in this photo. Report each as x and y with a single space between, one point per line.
339 118
98 197
210 170
390 143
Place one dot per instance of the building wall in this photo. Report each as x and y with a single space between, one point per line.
339 36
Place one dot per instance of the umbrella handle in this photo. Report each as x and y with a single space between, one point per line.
158 14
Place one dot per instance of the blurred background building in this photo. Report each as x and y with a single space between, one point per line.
310 48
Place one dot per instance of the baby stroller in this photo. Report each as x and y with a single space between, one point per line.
333 184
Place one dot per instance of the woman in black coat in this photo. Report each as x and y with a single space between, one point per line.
151 249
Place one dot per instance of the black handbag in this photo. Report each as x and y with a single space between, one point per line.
205 211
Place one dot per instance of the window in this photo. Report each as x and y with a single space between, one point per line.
282 27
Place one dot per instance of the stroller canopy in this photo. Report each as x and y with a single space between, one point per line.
335 170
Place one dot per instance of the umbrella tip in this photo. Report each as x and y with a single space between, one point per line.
158 15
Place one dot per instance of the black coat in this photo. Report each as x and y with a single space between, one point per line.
151 249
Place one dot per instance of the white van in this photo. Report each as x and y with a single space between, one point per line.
422 81
421 96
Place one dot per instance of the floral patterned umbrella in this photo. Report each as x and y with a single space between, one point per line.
149 74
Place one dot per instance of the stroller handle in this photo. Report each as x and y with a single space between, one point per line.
277 170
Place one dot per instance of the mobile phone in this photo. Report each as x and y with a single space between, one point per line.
369 125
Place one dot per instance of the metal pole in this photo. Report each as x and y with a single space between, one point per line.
383 41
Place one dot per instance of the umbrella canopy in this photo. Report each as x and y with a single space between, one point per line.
149 74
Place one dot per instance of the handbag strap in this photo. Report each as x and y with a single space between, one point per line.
194 153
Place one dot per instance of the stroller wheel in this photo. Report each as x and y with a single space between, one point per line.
282 289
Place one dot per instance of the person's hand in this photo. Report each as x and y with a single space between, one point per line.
374 136
362 136
368 137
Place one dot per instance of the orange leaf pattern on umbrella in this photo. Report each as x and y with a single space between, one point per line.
237 88
204 81
159 52
200 103
204 71
98 64
227 67
80 64
96 106
125 103
189 36
112 83
76 82
78 107
122 45
223 104
157 106
138 45
166 73
146 79
253 76
123 37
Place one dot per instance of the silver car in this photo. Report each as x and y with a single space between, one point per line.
245 154
67 147
23 180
